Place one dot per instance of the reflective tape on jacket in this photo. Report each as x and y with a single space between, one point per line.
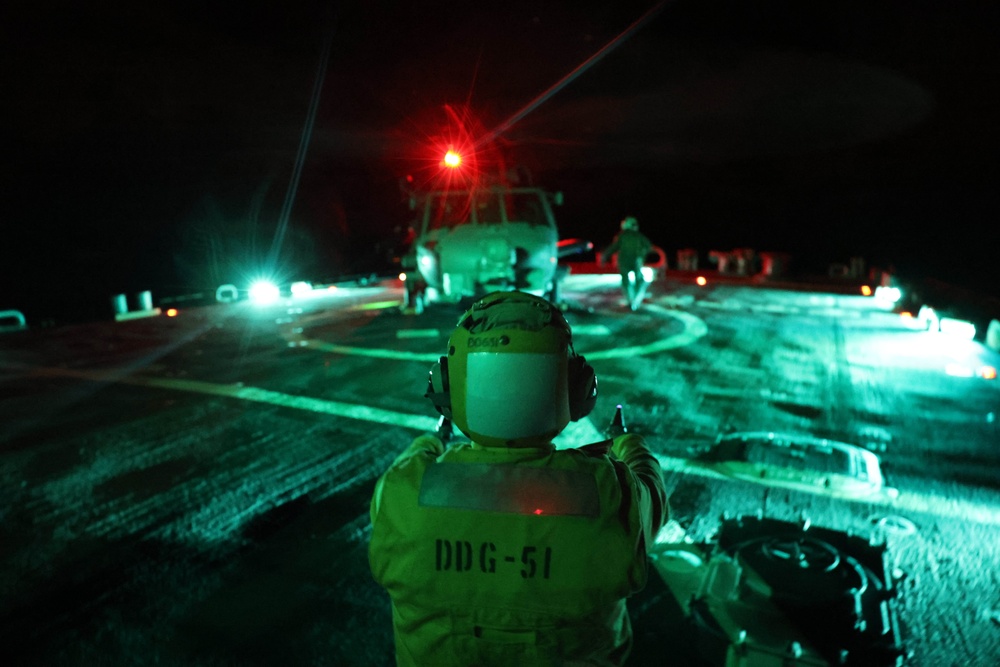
510 489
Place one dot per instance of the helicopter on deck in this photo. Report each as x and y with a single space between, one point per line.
482 236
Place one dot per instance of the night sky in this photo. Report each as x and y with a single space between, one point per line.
153 145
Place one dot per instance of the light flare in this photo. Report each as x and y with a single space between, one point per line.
263 292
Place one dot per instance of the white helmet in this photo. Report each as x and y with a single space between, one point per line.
511 377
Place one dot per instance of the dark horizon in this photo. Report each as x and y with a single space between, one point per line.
151 142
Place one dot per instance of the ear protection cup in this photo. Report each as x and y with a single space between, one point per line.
438 389
581 381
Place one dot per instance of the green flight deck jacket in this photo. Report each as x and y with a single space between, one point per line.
515 555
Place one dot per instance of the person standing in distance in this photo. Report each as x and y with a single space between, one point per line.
632 246
504 550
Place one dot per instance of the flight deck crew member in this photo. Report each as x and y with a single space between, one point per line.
632 247
503 550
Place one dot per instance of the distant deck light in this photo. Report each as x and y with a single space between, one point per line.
988 372
171 312
264 292
866 290
402 277
957 370
958 328
888 294
701 280
301 288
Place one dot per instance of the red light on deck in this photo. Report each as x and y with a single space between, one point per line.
171 312
538 511
701 280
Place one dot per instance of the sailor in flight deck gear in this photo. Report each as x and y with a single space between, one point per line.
504 550
632 247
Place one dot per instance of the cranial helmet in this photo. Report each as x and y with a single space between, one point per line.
630 223
511 376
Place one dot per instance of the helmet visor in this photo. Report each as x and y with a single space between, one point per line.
514 396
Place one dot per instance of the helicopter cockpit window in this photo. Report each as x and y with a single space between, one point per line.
449 210
488 208
524 207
